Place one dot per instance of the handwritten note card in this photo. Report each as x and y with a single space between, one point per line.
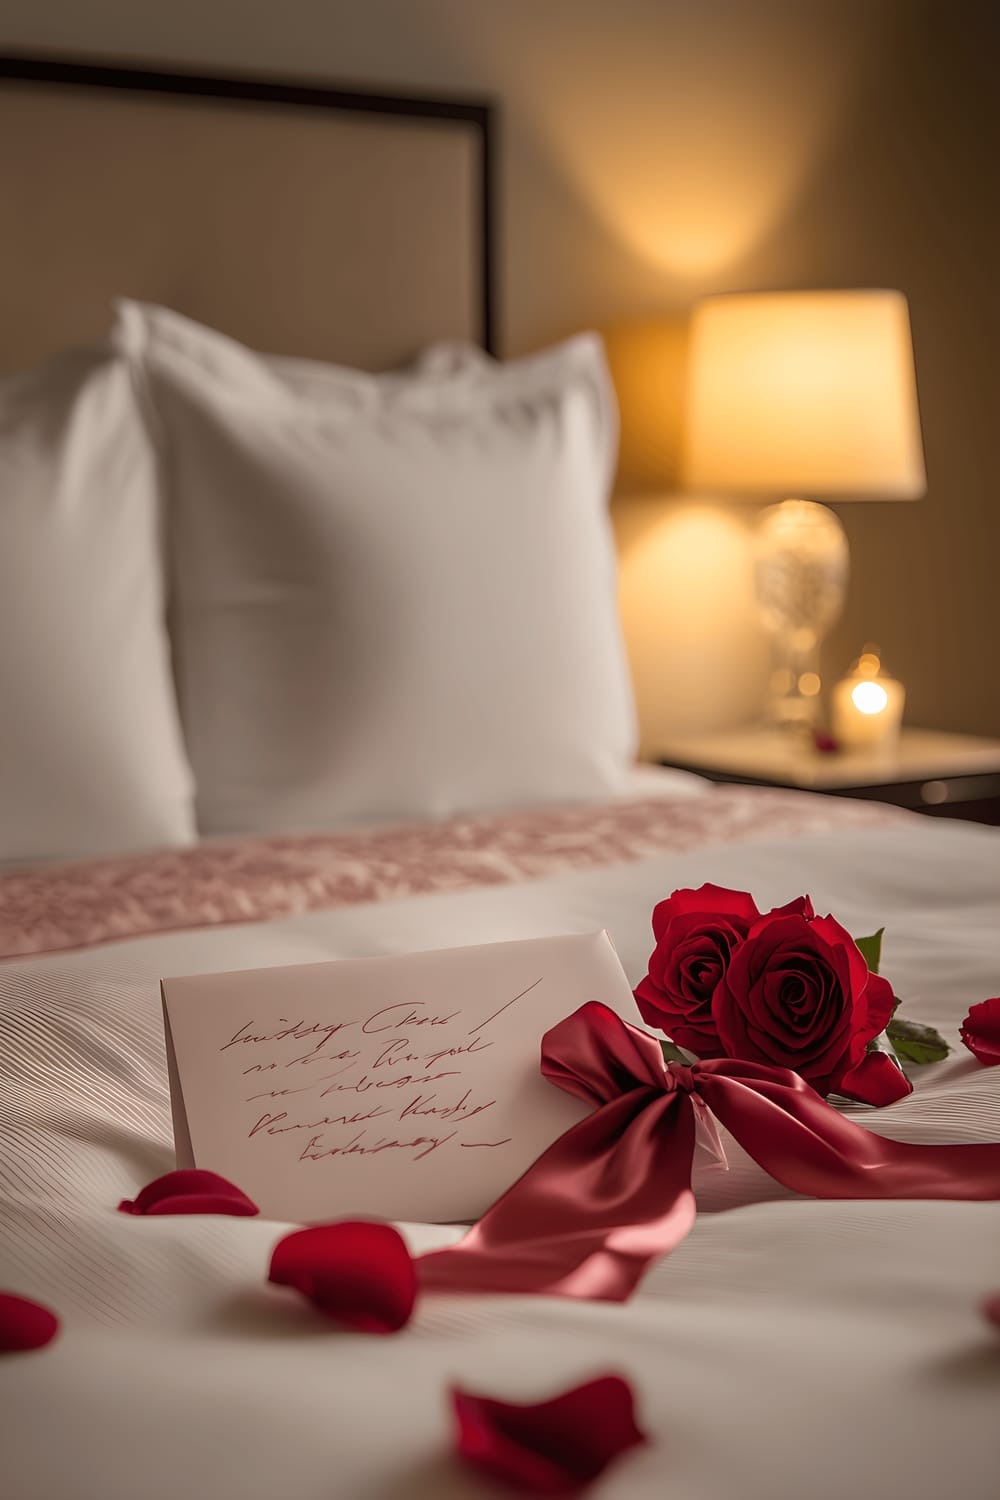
405 1087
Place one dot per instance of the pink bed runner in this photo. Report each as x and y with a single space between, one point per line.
54 908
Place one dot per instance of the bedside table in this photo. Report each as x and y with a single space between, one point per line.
946 775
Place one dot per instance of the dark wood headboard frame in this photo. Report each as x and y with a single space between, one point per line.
479 114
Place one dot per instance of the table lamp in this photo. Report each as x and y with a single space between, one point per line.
807 394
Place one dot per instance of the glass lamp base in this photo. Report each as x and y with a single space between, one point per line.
800 580
793 700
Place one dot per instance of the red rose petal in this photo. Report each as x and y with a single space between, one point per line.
801 907
875 1080
836 936
190 1191
708 900
25 1324
359 1273
991 1309
981 1031
553 1447
881 1003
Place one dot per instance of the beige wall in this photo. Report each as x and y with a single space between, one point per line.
654 150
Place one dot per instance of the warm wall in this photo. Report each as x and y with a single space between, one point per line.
653 150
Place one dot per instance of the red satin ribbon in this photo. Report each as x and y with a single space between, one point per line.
613 1193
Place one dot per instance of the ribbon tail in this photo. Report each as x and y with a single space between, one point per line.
808 1146
586 1219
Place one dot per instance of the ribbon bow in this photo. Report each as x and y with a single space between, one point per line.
613 1193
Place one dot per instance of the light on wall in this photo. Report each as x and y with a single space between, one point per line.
810 394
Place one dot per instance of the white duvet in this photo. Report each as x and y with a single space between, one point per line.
788 1348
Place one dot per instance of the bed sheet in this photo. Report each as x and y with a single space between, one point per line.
788 1347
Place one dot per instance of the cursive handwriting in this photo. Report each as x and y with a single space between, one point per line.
306 1088
364 1083
396 1078
411 1018
299 1030
314 1151
508 1005
394 1053
270 1122
462 1110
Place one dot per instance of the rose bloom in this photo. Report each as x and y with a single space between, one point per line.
697 932
797 993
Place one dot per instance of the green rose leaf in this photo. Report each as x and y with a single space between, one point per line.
671 1053
916 1043
871 949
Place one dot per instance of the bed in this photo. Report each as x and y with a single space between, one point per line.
789 1346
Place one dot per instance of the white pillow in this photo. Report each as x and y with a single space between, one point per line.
91 757
394 595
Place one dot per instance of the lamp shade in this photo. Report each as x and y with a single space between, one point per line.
803 393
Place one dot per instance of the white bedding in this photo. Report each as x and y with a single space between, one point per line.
788 1348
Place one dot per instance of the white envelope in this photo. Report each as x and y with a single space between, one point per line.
405 1087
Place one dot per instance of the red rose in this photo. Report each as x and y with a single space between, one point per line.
981 1031
697 933
798 994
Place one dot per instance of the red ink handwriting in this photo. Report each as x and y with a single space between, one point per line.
507 1006
299 1031
364 1083
271 1123
411 1018
393 1054
314 1150
462 1110
476 1045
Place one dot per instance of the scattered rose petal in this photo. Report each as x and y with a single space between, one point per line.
991 1309
552 1448
190 1191
24 1324
359 1273
981 1031
875 1080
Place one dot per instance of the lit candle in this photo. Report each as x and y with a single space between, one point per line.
868 706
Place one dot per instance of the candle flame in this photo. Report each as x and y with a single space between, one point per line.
869 697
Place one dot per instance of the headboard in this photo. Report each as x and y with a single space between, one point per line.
302 219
